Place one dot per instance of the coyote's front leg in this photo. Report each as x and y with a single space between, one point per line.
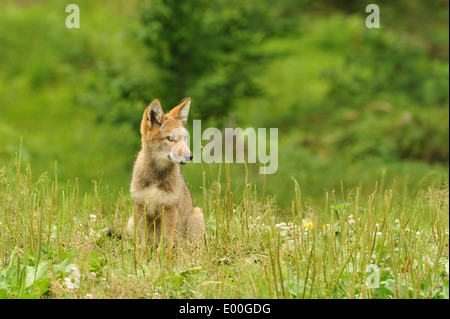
169 227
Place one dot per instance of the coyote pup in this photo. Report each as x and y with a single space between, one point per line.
162 200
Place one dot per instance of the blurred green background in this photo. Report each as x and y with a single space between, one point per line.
351 103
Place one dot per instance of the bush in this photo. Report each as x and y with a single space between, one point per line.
387 98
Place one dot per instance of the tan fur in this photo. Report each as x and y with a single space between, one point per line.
163 204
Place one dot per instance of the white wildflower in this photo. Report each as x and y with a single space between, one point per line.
69 284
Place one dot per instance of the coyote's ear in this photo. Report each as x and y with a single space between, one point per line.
181 111
155 113
153 116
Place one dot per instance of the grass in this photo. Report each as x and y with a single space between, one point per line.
385 245
323 92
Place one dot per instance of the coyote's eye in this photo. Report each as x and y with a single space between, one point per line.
171 138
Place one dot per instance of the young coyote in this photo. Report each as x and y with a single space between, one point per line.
163 204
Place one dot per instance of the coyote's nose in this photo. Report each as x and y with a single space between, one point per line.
186 159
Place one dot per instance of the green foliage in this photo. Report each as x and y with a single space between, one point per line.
45 110
381 66
334 120
23 281
392 101
349 102
207 50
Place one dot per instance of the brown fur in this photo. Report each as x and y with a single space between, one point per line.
163 204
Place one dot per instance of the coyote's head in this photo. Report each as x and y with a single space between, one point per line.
165 135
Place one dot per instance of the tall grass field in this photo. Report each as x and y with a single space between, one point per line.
53 243
359 205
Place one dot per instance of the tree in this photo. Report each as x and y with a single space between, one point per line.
206 50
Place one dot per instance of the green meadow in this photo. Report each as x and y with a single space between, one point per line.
358 207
